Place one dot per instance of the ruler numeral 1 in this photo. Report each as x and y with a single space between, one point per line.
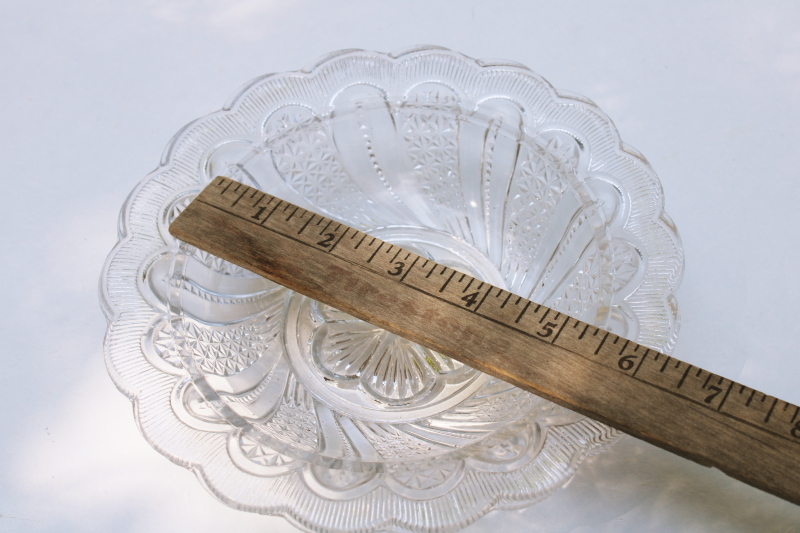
259 213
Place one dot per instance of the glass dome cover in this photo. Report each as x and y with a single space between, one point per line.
325 419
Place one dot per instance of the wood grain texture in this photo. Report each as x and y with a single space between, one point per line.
709 419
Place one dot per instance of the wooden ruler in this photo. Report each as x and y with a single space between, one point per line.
709 419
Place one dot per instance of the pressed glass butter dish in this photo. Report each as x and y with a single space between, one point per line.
282 405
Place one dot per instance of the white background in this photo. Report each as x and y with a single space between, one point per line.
91 92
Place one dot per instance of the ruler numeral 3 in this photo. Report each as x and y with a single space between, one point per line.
398 268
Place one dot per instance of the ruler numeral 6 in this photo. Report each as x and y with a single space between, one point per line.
627 362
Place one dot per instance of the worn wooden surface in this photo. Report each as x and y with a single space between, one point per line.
701 416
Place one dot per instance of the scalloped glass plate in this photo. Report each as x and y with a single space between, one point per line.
285 406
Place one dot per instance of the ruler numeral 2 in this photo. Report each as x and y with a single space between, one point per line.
326 242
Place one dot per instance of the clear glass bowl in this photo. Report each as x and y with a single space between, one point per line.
286 406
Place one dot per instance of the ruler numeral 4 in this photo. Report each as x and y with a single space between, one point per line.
470 299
